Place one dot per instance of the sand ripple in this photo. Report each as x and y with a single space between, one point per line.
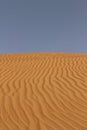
43 91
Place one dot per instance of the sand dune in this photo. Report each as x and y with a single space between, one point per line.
43 91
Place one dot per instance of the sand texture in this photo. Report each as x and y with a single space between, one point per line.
43 91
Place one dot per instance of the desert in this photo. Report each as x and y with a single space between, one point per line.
43 91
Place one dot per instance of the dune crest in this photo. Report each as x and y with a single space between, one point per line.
43 91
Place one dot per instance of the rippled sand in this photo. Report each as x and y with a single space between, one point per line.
43 91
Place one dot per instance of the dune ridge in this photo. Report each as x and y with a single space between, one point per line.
43 91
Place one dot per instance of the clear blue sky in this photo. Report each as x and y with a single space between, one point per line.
43 26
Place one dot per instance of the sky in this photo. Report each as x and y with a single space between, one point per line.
43 26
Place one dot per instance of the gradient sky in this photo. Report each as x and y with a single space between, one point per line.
43 26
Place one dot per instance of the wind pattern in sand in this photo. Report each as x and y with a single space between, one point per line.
43 91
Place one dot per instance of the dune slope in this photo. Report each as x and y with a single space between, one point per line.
43 91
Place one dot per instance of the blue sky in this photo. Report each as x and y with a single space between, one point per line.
43 26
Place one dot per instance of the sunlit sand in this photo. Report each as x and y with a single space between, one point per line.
43 91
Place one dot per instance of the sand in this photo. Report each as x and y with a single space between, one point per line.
43 91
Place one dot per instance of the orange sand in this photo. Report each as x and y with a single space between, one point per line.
43 91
